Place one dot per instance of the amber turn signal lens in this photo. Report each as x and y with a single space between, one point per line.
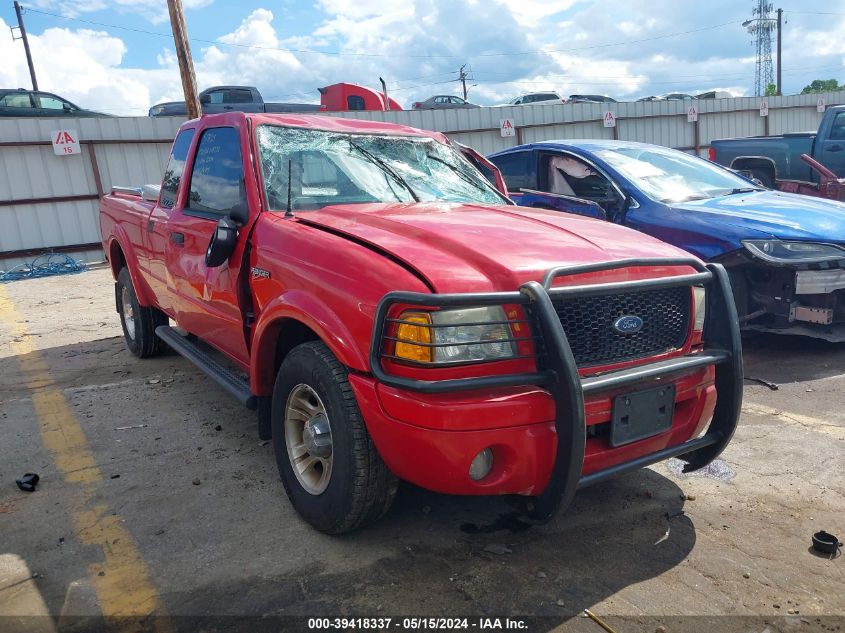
409 335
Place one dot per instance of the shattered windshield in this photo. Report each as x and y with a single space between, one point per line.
328 168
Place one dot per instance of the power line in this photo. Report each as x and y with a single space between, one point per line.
393 55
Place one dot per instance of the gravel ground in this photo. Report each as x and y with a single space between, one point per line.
189 514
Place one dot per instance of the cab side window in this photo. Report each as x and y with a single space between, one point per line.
355 102
49 102
837 131
516 170
16 100
175 168
217 181
566 175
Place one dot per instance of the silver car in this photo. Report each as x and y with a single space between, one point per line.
439 102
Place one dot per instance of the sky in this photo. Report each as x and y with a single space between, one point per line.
117 56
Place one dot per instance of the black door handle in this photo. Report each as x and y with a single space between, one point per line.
177 238
834 148
151 226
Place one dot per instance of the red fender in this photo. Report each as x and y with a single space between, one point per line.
309 310
142 289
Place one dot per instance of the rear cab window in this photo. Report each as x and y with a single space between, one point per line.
175 168
217 180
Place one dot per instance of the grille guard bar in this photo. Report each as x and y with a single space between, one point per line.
722 348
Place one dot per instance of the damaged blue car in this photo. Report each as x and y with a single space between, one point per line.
785 253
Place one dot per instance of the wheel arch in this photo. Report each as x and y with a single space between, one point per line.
762 163
290 323
121 254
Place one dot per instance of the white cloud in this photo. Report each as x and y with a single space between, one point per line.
153 10
418 46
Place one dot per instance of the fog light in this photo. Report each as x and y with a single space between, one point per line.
481 465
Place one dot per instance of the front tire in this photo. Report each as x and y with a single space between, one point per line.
139 322
331 470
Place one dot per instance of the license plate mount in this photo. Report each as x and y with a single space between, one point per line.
641 414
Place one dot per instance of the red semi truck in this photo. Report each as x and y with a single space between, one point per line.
392 315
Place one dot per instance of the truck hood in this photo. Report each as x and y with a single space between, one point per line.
476 248
765 214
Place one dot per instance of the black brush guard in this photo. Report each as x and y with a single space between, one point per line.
722 348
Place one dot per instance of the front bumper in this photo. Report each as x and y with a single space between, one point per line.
787 300
551 458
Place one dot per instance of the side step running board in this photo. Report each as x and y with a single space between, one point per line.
223 376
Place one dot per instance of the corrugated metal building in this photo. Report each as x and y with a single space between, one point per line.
49 201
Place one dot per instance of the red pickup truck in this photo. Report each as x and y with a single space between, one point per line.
392 315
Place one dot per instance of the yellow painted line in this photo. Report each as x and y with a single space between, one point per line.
124 589
813 424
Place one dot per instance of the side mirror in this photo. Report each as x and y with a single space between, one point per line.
222 243
205 99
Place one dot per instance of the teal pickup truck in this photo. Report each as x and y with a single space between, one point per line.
776 158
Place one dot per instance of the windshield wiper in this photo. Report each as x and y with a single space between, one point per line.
742 190
385 168
463 176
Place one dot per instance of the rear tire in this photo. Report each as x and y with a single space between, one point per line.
139 322
764 177
339 486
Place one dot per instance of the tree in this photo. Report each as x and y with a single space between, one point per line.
821 85
771 90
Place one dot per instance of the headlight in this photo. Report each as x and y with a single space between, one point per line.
699 307
778 252
465 335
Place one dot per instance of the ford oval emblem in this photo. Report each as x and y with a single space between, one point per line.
628 324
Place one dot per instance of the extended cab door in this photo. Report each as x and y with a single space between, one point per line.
158 229
830 150
208 301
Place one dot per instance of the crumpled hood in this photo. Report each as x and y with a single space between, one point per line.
770 214
478 248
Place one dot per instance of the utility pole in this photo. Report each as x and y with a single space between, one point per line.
23 37
780 65
183 54
462 77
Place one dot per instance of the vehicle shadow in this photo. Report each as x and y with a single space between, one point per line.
808 358
430 555
617 534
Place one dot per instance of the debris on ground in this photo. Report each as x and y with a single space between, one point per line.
599 621
826 543
771 385
28 482
196 481
498 548
129 428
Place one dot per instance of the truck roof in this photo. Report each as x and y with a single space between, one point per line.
315 122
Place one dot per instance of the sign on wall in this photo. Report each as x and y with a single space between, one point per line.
507 128
764 108
692 114
820 105
609 119
65 142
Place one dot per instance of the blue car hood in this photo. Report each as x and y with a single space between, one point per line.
764 214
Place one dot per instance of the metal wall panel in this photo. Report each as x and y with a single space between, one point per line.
125 155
